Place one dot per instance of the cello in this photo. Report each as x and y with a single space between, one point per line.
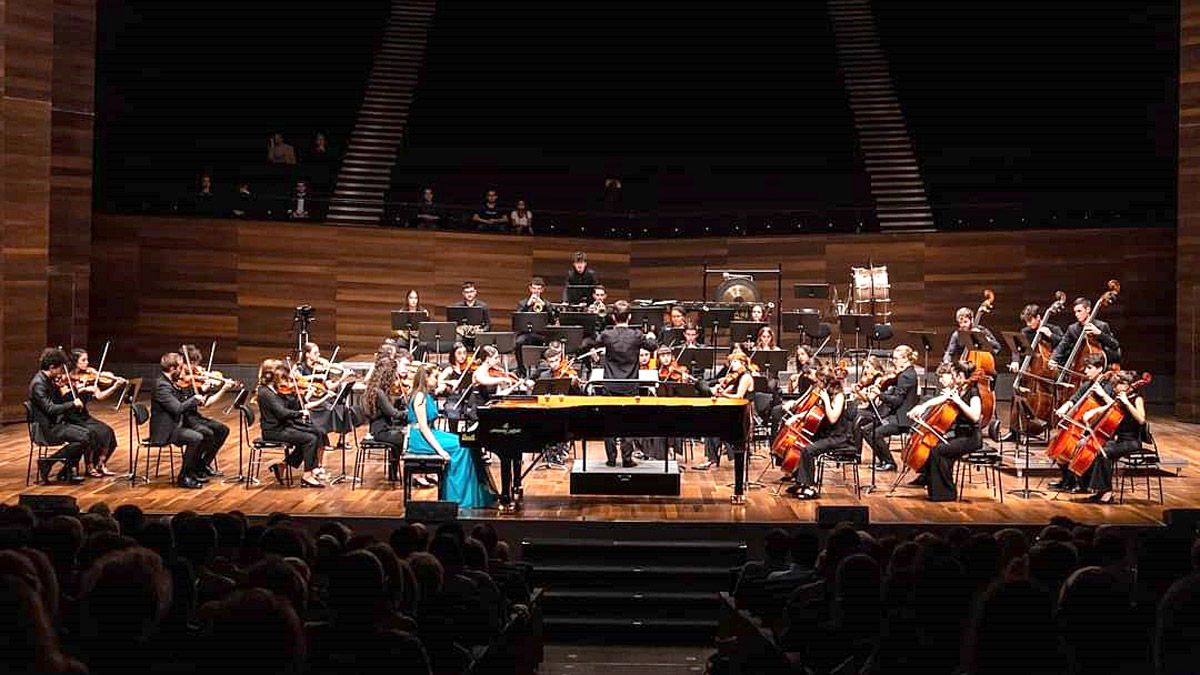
1102 431
1072 427
1034 393
984 362
799 429
935 422
1070 374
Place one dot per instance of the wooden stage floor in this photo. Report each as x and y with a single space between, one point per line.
705 496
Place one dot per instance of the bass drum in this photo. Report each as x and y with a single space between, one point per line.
871 283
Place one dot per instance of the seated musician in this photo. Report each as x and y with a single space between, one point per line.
677 317
622 345
1093 368
893 404
409 338
835 433
1084 324
320 408
470 298
213 431
802 377
964 319
283 419
937 475
385 421
451 376
1031 316
50 407
170 406
555 365
691 336
96 461
533 303
765 340
462 482
758 313
1127 439
669 370
738 382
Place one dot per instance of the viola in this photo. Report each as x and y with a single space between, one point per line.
1102 431
313 387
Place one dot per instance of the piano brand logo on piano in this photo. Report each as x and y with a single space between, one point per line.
507 430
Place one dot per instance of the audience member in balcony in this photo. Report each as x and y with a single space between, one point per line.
613 195
521 218
280 151
301 206
320 151
490 217
205 200
244 205
429 214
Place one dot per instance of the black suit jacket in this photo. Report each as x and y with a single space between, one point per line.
274 411
167 411
1055 339
48 408
901 396
621 346
1106 339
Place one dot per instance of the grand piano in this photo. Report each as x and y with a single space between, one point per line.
514 426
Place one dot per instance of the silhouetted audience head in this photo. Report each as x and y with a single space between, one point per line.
253 631
282 579
28 641
1051 562
1177 629
776 545
123 598
1012 631
1094 619
130 518
356 588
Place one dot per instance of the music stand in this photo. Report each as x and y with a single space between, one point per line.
802 321
531 323
690 356
340 400
530 356
560 386
859 325
437 333
770 361
574 294
243 433
670 336
745 330
811 291
717 318
468 316
129 395
589 321
926 347
1020 348
406 320
571 337
136 384
646 318
504 341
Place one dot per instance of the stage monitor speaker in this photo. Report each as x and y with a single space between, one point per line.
1183 520
51 505
828 516
431 512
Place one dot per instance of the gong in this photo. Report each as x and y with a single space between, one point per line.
738 289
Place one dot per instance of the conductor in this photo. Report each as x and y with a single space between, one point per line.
621 346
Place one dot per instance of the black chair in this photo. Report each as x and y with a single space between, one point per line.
841 458
421 464
141 415
37 440
370 451
988 461
259 448
1145 461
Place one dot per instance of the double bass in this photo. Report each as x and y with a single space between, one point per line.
1070 374
984 362
1034 393
1101 431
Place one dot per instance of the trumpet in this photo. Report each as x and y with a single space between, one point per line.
598 308
535 304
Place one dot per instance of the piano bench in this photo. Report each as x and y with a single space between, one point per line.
414 464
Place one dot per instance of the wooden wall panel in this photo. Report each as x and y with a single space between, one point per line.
1187 342
244 288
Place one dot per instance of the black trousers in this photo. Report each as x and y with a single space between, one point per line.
193 443
305 443
104 440
610 449
876 433
214 434
806 473
78 442
1101 477
940 467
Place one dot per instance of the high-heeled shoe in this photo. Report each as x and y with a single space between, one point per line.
306 482
277 471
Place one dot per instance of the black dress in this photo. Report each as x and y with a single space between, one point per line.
964 437
830 437
1127 440
104 439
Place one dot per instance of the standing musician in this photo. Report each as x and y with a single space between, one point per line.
738 382
1127 439
103 436
1093 368
621 347
937 475
836 432
320 408
213 431
50 408
172 406
470 296
965 320
1031 316
284 420
386 423
576 290
894 404
1086 325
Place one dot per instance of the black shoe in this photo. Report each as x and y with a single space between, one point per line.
611 462
919 481
885 466
629 464
794 489
1060 485
1011 437
209 472
189 483
43 469
201 479
68 475
277 471
1078 490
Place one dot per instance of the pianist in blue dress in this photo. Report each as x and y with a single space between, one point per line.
462 480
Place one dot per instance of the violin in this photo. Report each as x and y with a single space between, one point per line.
198 377
91 376
565 369
675 372
312 386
